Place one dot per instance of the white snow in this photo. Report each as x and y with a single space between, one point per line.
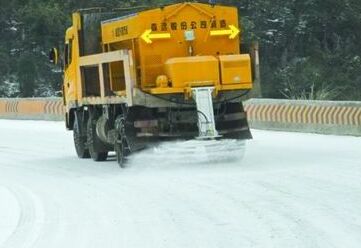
9 214
275 20
289 190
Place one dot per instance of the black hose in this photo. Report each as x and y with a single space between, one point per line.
204 115
233 98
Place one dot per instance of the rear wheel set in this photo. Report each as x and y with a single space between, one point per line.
89 145
97 149
80 138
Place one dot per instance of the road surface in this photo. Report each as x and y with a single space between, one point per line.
289 190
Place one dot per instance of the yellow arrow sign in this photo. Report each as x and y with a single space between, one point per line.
232 32
147 36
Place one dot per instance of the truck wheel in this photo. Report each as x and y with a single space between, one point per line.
120 153
94 143
80 141
121 147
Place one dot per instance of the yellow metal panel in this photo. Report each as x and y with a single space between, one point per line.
124 28
72 82
236 69
166 37
166 90
235 87
71 91
192 71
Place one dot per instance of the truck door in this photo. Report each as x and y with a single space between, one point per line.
69 86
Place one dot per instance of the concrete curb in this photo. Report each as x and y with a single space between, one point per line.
325 117
32 108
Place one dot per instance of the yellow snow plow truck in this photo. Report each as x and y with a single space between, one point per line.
146 75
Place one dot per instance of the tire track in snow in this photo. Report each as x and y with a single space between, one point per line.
269 225
309 211
30 222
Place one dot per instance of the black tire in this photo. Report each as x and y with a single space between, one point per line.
80 141
120 154
121 146
94 144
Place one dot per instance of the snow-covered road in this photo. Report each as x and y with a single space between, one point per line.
290 190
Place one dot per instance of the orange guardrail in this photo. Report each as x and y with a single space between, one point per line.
331 117
32 108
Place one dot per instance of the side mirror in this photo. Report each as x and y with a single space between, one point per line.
54 56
